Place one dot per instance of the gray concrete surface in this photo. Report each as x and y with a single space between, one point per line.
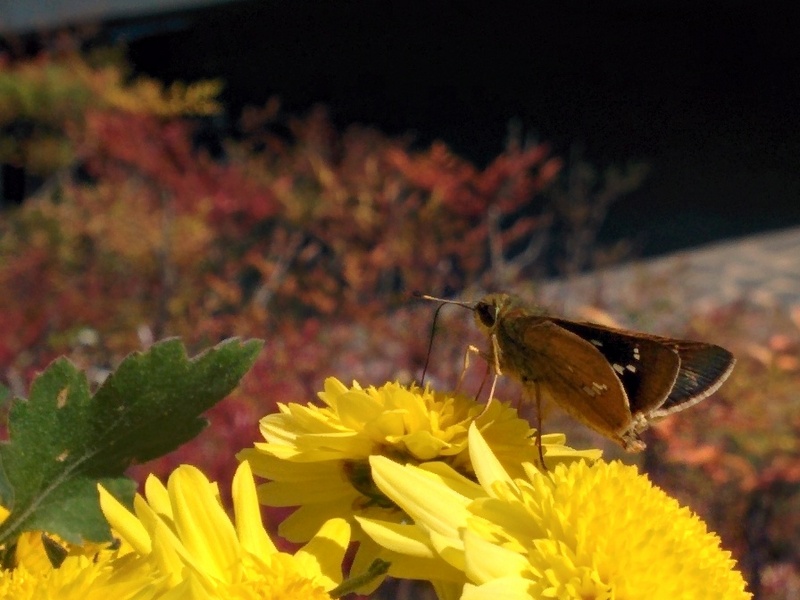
761 270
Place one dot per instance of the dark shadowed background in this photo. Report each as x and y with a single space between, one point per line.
706 93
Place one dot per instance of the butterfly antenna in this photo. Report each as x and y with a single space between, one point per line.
443 300
430 341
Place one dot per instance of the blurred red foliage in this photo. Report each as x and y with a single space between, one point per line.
310 238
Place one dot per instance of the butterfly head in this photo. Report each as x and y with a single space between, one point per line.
491 309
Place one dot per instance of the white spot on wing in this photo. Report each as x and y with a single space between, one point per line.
596 389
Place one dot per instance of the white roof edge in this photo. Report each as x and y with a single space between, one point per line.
21 16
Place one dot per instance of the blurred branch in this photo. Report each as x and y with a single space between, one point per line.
505 270
581 203
286 255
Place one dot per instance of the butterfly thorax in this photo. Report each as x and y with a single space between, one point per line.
501 316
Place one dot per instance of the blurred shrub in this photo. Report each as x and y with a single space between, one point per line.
303 235
43 100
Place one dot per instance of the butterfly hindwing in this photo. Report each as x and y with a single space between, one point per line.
704 368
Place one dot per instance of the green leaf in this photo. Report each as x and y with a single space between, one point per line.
62 441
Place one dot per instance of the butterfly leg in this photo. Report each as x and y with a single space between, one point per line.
470 350
491 361
495 358
538 398
474 350
491 391
483 382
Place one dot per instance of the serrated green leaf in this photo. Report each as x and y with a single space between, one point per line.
62 441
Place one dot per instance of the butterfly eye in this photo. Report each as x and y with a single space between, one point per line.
487 313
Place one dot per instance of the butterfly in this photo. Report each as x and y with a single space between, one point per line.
614 381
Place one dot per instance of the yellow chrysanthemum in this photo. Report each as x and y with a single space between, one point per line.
184 533
583 531
88 572
30 551
103 575
317 457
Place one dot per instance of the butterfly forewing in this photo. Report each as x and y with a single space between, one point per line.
647 368
568 369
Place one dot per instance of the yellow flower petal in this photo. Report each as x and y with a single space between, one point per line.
487 468
168 555
332 486
486 561
422 495
196 551
416 558
507 588
321 558
205 530
249 529
303 523
124 522
405 539
157 497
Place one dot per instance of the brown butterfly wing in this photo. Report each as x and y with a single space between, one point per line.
568 369
704 368
648 367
